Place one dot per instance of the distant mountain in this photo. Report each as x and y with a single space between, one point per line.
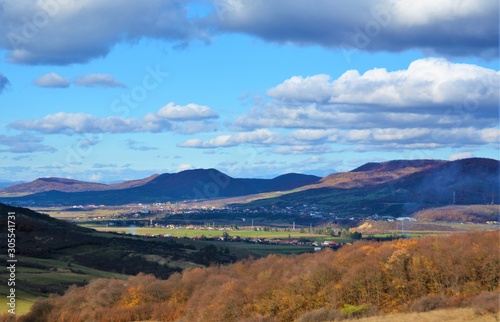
6 184
186 185
68 185
398 188
377 173
47 184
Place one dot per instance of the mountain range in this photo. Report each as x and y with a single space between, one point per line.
186 185
395 187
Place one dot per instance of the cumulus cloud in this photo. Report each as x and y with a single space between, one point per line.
449 27
427 84
70 123
430 92
189 112
98 80
24 143
4 82
80 123
315 88
433 103
52 80
73 31
261 136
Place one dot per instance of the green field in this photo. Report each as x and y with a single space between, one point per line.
190 233
36 277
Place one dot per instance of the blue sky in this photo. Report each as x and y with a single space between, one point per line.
116 90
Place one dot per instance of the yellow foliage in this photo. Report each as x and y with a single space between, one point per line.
133 296
368 249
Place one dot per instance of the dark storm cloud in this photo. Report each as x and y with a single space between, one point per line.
455 28
64 32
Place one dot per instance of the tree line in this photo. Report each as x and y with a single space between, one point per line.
365 278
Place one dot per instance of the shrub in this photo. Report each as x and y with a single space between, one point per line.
322 314
428 303
486 303
353 311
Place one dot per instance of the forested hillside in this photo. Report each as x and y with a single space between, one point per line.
365 278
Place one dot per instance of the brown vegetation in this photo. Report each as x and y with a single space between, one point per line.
472 213
378 173
358 280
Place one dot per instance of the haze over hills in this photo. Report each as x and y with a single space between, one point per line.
398 188
6 184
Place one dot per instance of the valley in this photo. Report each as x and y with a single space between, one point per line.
157 229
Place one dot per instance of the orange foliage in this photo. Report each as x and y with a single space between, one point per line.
386 276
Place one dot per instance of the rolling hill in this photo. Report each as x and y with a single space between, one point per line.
68 185
185 185
53 254
396 188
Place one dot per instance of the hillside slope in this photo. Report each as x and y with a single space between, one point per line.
398 188
53 254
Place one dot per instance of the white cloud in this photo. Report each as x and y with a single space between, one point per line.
68 123
461 155
429 84
98 80
53 80
490 135
72 123
433 103
315 88
261 137
430 93
184 167
189 112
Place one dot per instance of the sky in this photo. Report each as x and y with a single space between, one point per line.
117 90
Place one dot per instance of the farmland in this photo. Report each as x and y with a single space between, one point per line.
212 233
